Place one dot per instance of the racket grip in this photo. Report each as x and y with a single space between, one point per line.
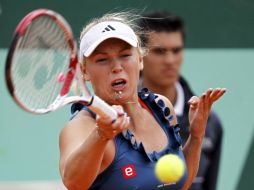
101 108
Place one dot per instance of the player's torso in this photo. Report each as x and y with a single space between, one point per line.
133 169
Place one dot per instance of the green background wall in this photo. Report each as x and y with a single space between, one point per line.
210 23
220 53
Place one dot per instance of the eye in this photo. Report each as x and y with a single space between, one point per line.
159 51
101 60
177 50
125 55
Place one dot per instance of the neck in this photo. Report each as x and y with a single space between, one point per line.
168 91
135 112
132 107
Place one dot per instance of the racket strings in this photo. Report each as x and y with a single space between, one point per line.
41 57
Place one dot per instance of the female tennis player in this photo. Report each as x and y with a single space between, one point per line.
98 153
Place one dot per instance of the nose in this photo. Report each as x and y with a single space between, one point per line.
116 66
169 57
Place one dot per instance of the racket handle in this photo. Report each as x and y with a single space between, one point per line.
101 108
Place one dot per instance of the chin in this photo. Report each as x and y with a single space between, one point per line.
170 80
124 98
166 83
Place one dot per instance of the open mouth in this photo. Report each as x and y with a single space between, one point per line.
118 84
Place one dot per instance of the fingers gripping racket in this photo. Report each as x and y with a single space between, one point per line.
42 63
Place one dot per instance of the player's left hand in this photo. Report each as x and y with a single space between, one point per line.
200 108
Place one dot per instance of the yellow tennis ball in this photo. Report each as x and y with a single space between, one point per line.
169 168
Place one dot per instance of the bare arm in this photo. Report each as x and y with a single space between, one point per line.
198 115
79 145
86 146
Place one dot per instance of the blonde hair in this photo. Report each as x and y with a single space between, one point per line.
126 17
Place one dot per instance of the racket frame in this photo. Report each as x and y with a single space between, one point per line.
95 103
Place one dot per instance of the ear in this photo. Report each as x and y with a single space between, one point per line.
83 67
141 64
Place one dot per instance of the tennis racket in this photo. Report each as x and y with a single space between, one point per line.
42 64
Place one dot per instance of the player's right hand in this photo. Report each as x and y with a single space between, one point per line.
108 129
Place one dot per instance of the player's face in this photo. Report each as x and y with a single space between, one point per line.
164 58
113 69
